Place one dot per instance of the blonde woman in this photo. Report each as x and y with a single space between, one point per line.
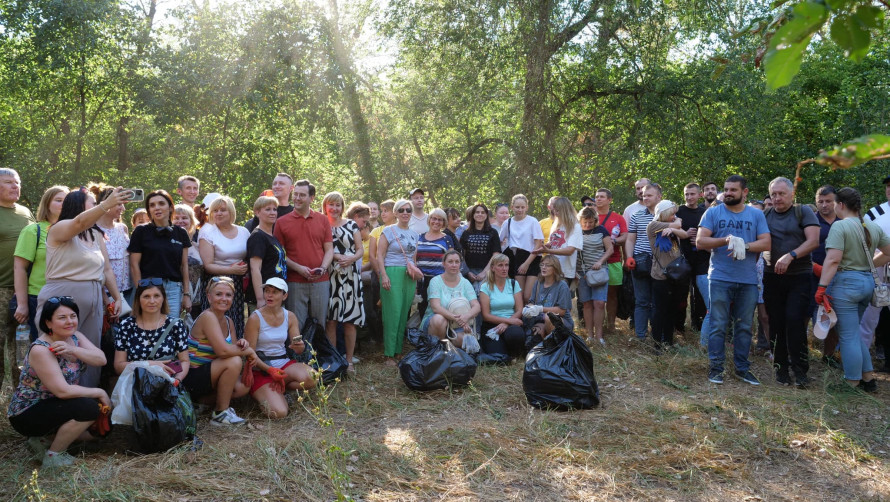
500 299
520 236
184 218
346 305
565 239
552 294
117 239
664 234
223 247
431 248
399 274
29 262
266 255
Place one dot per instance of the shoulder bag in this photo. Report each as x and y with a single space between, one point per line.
881 295
173 363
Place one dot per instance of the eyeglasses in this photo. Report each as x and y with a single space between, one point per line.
59 299
151 281
405 210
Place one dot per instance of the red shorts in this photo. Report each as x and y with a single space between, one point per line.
261 378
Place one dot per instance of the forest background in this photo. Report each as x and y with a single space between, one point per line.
469 99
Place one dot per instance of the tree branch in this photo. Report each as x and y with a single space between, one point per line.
573 29
478 146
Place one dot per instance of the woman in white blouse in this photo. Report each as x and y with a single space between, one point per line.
223 248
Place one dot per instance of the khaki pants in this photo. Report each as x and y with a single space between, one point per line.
7 338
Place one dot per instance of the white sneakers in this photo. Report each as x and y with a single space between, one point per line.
226 417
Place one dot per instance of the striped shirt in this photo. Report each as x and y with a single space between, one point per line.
430 253
201 352
637 225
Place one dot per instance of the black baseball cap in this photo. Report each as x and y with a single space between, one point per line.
415 190
585 199
886 180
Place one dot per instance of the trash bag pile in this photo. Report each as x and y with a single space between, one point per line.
163 415
559 372
435 364
326 357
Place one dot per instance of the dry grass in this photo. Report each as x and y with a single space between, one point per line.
662 433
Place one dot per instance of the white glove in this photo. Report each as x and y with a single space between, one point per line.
532 310
737 246
471 345
493 334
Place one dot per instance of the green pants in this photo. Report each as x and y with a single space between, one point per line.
395 305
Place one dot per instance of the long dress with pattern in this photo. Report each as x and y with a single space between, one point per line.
346 283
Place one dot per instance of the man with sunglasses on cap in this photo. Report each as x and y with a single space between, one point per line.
419 219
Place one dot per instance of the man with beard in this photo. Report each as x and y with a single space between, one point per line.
282 187
709 192
826 196
638 205
737 234
794 233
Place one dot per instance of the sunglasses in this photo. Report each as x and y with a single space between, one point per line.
403 211
60 299
151 281
221 278
588 204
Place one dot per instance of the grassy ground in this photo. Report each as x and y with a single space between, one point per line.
662 433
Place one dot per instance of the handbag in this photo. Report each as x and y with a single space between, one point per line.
644 265
881 295
594 278
411 268
14 301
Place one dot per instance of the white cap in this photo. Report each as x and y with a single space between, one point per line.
209 198
663 206
824 322
277 283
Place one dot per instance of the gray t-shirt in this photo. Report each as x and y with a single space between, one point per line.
557 295
787 233
394 255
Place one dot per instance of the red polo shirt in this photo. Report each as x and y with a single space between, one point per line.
303 240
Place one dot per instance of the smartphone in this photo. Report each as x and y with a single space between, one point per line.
317 271
297 339
136 194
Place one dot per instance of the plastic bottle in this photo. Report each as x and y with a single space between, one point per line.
22 342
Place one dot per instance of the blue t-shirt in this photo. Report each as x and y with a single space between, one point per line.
747 224
501 303
445 293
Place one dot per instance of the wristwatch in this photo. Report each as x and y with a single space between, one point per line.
793 254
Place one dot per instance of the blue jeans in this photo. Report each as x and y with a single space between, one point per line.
643 304
851 292
736 300
174 296
701 283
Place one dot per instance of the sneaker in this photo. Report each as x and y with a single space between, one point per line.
802 381
782 378
54 460
869 386
355 360
747 376
602 342
226 417
38 445
715 376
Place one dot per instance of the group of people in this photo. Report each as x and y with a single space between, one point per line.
482 278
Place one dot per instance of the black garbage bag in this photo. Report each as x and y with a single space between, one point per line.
626 297
163 414
559 372
435 365
419 339
484 358
326 358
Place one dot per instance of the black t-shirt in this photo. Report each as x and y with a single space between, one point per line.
479 246
699 260
255 222
161 249
265 246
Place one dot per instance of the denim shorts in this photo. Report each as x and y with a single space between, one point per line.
587 293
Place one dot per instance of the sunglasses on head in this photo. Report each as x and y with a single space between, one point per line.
59 299
151 281
221 278
404 210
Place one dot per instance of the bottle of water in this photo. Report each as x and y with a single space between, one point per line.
22 342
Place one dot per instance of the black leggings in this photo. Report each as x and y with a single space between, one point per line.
511 342
48 415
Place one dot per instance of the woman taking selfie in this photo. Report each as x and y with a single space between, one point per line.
77 265
160 249
49 400
151 334
269 329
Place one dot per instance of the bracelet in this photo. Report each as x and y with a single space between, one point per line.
823 285
187 294
99 205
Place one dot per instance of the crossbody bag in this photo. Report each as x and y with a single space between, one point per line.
411 268
881 295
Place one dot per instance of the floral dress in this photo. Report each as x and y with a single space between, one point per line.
117 240
346 283
31 390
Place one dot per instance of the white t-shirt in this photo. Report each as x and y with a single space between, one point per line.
630 210
226 252
522 233
559 241
419 224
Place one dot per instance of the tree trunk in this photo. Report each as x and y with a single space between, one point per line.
536 25
352 100
123 134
